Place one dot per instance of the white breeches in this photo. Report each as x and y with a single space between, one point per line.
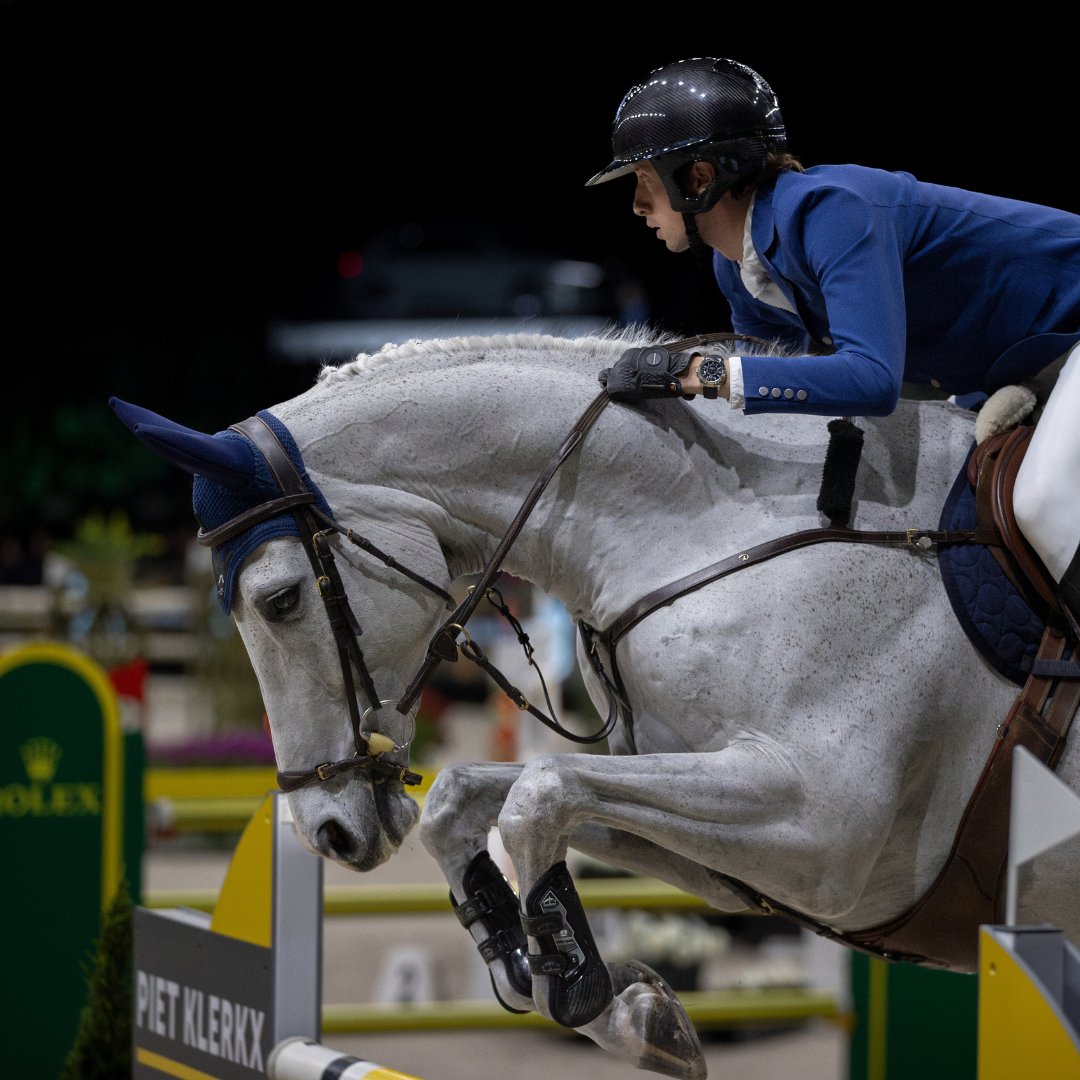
1045 499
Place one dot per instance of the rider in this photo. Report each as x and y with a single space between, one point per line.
870 277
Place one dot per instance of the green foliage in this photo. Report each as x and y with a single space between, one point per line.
100 538
102 1048
80 460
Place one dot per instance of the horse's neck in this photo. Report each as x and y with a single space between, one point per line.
459 440
651 494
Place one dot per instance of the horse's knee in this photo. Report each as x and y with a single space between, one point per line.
442 804
541 798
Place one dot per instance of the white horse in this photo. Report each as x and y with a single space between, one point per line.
811 726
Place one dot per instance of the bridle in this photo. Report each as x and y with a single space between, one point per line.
315 527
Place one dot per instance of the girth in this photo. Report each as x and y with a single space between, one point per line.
941 928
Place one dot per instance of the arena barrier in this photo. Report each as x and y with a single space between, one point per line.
1029 975
214 995
1020 1015
1029 1003
238 994
643 894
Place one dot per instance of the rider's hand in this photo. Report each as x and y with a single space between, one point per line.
645 373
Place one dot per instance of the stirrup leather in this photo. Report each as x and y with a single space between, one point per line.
491 901
580 987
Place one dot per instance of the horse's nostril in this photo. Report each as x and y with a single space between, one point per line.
334 838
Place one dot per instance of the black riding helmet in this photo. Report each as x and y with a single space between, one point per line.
702 109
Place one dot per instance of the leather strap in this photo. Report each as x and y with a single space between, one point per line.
461 616
257 514
916 540
919 540
290 781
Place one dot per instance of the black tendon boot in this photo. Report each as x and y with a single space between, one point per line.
580 987
490 900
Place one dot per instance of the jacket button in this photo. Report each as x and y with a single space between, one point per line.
789 393
801 395
763 391
776 391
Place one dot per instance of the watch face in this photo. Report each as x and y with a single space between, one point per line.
711 371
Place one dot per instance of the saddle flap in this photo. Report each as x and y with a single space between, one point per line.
992 473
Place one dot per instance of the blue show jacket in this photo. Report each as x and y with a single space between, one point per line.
901 281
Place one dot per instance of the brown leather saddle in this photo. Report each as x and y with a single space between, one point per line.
991 473
941 929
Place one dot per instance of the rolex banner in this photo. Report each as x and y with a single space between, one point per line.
61 777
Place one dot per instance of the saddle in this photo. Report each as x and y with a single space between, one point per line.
991 473
940 929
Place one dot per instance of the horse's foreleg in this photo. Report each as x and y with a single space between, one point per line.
461 808
459 811
707 810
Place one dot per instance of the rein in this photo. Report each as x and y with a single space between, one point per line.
444 644
315 527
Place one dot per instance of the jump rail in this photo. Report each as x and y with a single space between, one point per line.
706 1008
623 893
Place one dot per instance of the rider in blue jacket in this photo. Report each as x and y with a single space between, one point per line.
865 279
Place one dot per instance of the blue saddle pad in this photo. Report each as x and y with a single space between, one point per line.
992 611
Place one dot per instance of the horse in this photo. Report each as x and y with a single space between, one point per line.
807 729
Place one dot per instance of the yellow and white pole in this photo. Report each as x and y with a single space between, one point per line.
301 1059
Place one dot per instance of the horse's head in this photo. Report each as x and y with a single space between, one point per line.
300 595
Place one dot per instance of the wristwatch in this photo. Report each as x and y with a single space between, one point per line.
712 374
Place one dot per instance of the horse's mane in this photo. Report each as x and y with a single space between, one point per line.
615 339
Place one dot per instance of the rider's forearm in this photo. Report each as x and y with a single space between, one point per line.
690 382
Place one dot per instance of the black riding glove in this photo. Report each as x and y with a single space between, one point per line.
645 373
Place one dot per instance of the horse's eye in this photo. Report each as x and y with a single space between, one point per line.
284 601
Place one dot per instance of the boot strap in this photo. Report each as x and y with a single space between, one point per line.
485 901
550 963
500 944
536 925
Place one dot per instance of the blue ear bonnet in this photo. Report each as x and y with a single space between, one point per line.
215 504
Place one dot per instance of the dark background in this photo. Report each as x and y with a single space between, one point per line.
177 180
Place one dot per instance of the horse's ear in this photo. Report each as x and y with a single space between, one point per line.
229 462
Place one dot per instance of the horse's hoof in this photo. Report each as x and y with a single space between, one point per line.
667 1040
